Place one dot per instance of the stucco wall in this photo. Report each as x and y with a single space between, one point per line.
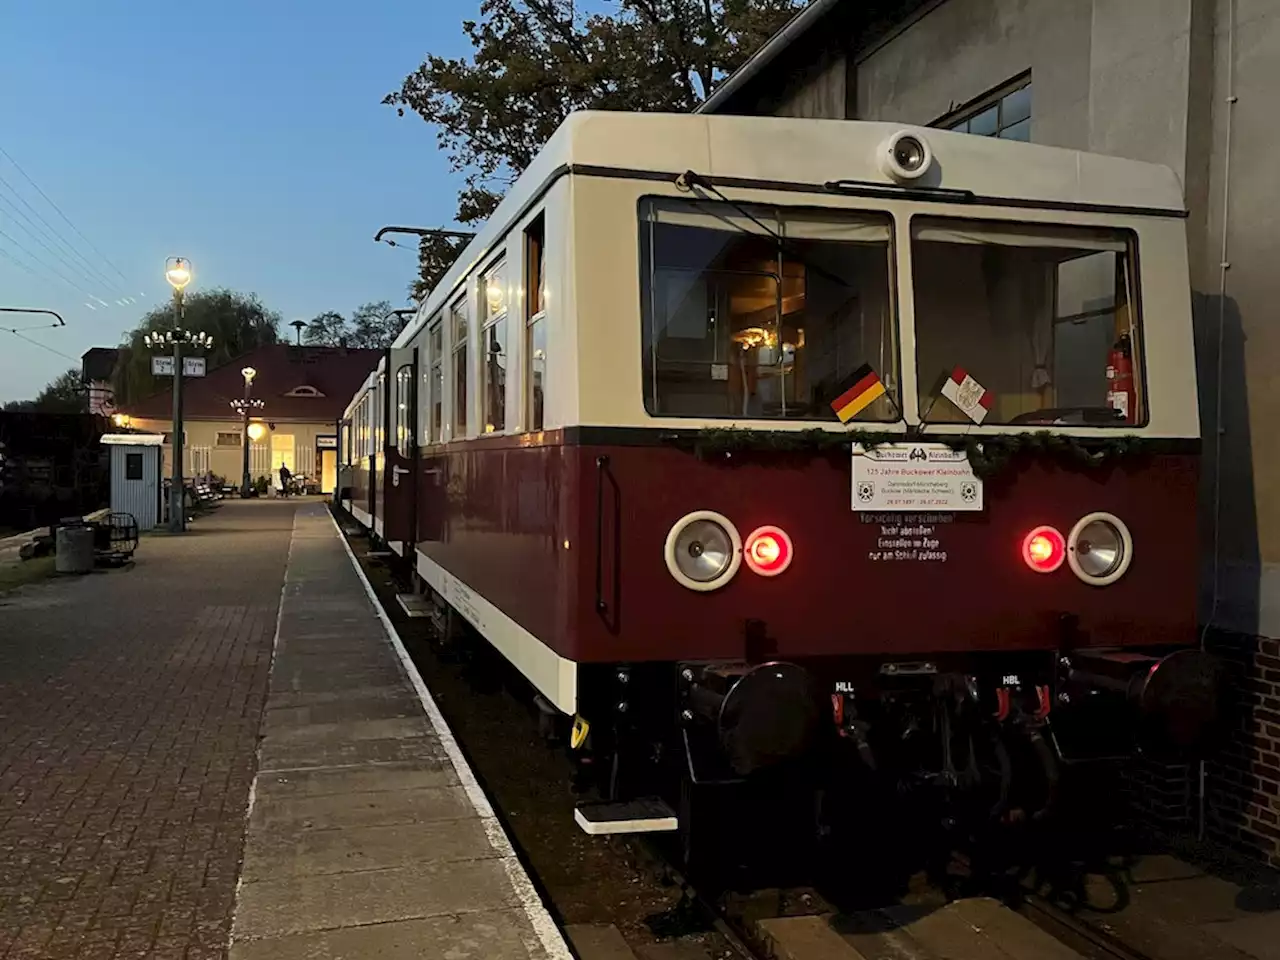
201 435
1244 296
964 48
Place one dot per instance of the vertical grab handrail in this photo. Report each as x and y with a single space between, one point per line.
601 462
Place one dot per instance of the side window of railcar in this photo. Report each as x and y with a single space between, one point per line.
380 415
435 381
404 410
493 345
535 351
767 313
1042 316
458 318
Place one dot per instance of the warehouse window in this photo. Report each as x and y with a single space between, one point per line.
1003 113
228 438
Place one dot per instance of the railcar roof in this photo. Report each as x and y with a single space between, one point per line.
800 151
369 383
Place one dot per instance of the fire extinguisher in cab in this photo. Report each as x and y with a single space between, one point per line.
1120 392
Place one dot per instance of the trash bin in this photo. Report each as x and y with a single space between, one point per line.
73 548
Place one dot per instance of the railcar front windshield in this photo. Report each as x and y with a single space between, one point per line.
1034 313
763 313
754 312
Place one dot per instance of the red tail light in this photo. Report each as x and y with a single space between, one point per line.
1044 549
767 551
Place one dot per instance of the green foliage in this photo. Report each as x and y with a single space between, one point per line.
989 454
237 322
723 442
536 61
66 394
436 255
326 330
371 326
18 406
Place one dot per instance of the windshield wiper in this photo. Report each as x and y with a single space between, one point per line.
690 179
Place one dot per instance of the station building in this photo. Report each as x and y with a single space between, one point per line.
303 392
1185 83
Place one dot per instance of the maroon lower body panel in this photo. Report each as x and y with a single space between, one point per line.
360 489
567 540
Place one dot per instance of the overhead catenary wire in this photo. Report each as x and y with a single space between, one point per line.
118 272
40 237
53 270
43 346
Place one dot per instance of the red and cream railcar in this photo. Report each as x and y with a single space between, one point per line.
361 435
742 436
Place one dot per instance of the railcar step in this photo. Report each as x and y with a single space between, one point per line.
378 554
413 604
634 816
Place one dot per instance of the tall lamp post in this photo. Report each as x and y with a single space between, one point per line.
178 273
243 406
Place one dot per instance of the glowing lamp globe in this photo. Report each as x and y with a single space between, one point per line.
177 270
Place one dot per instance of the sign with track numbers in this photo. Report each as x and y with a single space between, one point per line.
914 477
162 366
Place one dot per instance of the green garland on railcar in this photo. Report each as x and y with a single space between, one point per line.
988 454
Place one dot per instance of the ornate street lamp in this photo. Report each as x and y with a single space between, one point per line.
178 272
244 406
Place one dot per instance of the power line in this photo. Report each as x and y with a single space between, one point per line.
42 346
18 263
67 219
35 234
45 265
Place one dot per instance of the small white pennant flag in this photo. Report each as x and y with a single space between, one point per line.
973 399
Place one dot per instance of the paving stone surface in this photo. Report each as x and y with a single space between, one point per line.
130 705
363 839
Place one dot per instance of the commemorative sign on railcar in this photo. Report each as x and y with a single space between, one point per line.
914 478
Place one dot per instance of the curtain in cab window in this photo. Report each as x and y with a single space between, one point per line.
1032 312
761 313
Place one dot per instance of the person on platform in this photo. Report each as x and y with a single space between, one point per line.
285 477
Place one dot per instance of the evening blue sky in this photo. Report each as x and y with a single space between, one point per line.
246 135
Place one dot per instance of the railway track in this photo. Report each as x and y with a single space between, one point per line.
663 916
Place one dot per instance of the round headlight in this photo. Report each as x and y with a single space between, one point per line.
905 156
908 153
1100 549
703 550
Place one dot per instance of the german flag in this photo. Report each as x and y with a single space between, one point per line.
861 390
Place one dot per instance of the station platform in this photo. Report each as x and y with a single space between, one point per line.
367 832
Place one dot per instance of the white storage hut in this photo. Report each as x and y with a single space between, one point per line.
135 476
